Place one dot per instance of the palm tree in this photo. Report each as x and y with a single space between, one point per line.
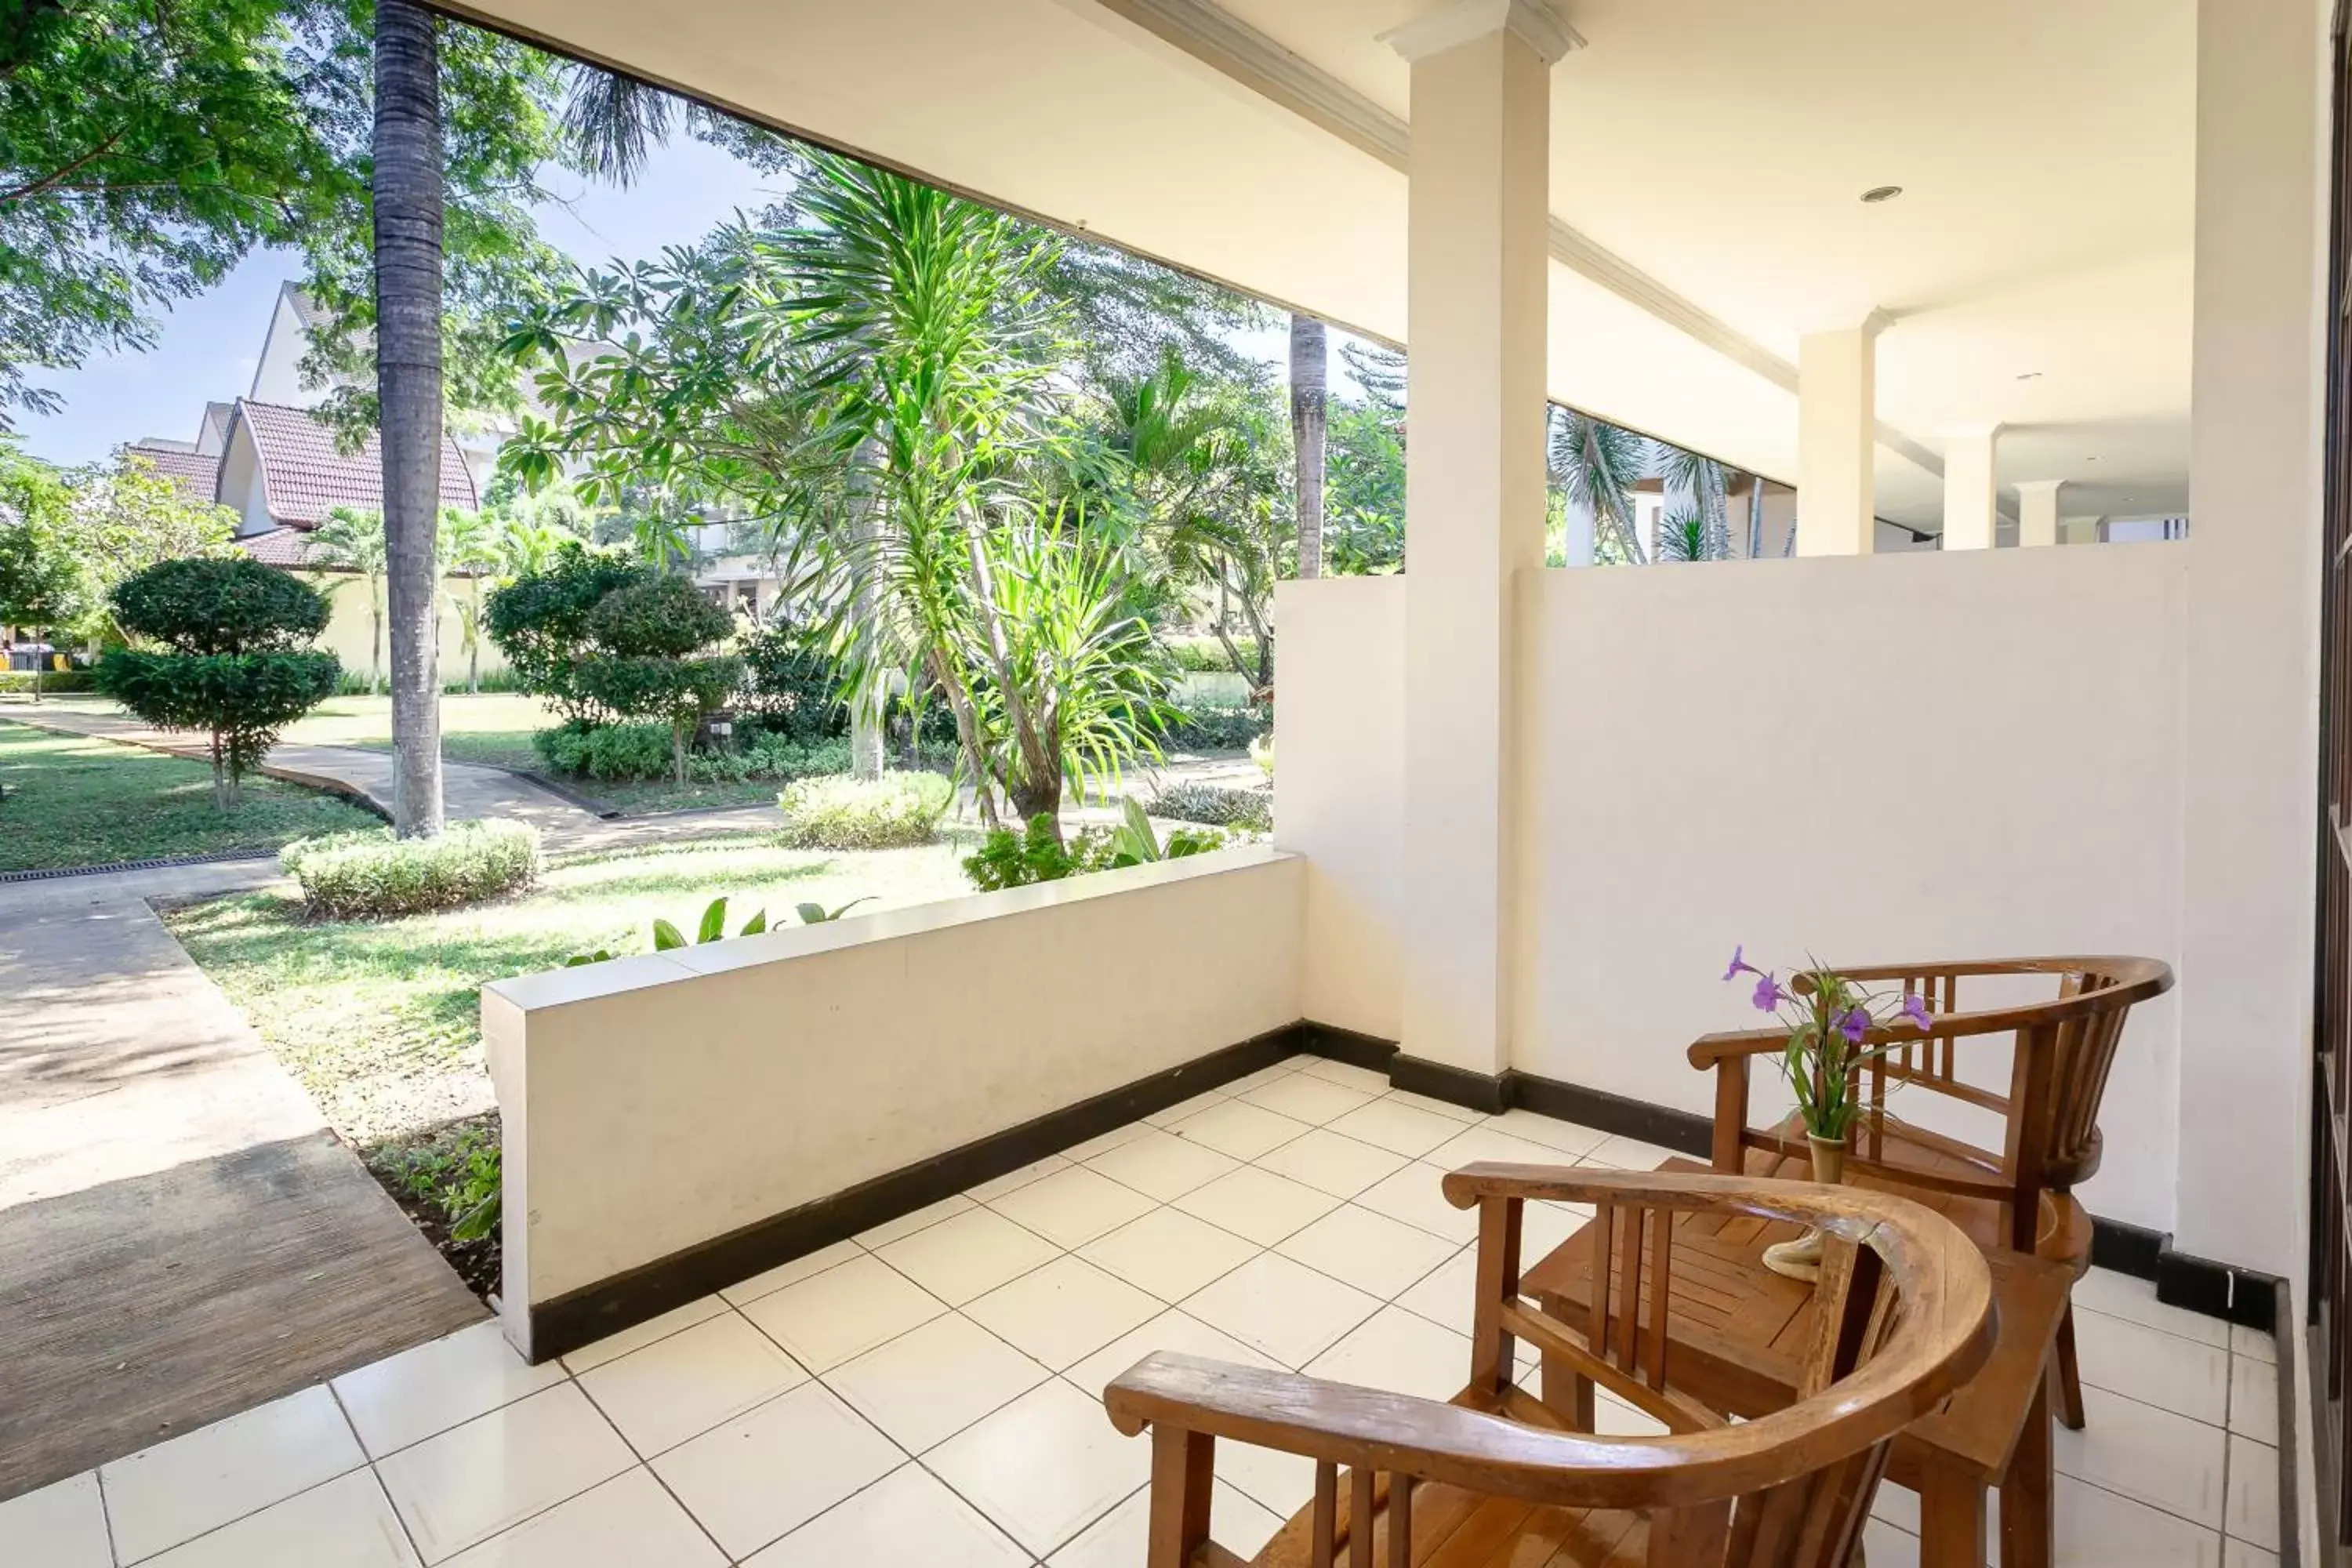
1708 482
469 549
1309 365
408 189
1598 464
352 538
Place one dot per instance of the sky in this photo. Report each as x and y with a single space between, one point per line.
207 348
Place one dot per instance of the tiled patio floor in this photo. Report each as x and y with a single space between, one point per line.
928 1392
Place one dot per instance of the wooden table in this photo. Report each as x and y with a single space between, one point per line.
1735 1330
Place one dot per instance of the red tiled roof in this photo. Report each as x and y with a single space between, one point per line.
198 476
278 546
303 476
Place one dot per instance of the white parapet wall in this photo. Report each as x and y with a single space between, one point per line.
657 1102
1866 758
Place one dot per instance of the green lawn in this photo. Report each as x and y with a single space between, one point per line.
73 802
380 1020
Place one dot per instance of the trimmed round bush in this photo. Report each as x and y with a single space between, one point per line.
1217 807
838 812
207 604
370 873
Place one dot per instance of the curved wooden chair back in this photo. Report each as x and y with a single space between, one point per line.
2064 1051
1904 1318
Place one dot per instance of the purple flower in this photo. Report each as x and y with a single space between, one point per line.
1769 994
1915 1009
1739 965
1853 1022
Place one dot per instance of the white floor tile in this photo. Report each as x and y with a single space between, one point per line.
2165 1461
1237 1128
1162 1166
843 1312
2252 1342
1884 1546
1543 1226
1280 1483
1377 1254
805 1266
1285 1309
1616 1417
1561 1137
347 1523
908 1224
1118 1539
1282 1069
968 1255
1629 1155
1446 1295
1169 1253
2252 1515
1436 1106
466 1485
59 1526
2254 1398
1401 1129
1331 1163
1184 1107
931 1382
1170 1330
1044 1466
1304 1098
1472 1144
1258 1204
178 1490
1348 1075
906 1517
2097 1529
630 1521
2121 1296
408 1397
1417 1196
1400 1353
683 1385
1110 1140
2239 1554
1012 1181
2152 1366
613 1347
1063 1312
753 1480
1070 1208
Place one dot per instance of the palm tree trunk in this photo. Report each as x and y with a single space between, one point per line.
1755 516
1307 407
408 189
865 705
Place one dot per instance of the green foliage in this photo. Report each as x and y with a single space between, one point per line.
41 583
1243 808
209 607
1363 496
1215 728
657 617
370 874
621 753
793 689
1685 535
838 812
1206 655
1036 854
48 680
540 621
1261 752
125 518
1598 464
815 914
713 928
460 1177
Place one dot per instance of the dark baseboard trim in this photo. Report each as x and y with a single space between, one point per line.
1684 1131
1346 1045
2126 1248
2221 1290
1487 1092
582 1317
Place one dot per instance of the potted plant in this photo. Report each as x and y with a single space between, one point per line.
1831 1024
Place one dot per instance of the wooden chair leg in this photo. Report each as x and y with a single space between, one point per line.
2067 1374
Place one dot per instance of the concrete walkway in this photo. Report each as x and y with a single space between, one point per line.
181 1236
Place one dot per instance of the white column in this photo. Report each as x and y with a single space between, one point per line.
1837 439
2250 649
1478 252
1971 488
2079 529
2037 511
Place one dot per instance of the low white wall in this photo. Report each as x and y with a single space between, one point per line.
1866 758
1339 791
657 1101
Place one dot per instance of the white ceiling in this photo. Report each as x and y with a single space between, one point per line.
1712 150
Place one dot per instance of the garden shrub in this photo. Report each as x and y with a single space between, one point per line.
1206 655
52 682
646 660
540 621
792 690
1010 860
1218 808
613 752
1215 728
838 812
369 875
236 664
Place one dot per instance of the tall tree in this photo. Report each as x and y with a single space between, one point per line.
41 586
1310 367
1707 483
408 197
1598 465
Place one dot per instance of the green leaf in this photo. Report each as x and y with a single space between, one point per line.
666 936
714 922
755 925
811 914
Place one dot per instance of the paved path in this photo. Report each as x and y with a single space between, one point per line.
181 1236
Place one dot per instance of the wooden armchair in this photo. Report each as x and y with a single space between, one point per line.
1498 1476
2019 1196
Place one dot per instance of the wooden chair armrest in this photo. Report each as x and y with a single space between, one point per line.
1709 1049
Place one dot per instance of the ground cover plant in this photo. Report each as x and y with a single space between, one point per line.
70 800
370 874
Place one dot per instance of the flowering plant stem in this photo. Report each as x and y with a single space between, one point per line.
1831 1021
